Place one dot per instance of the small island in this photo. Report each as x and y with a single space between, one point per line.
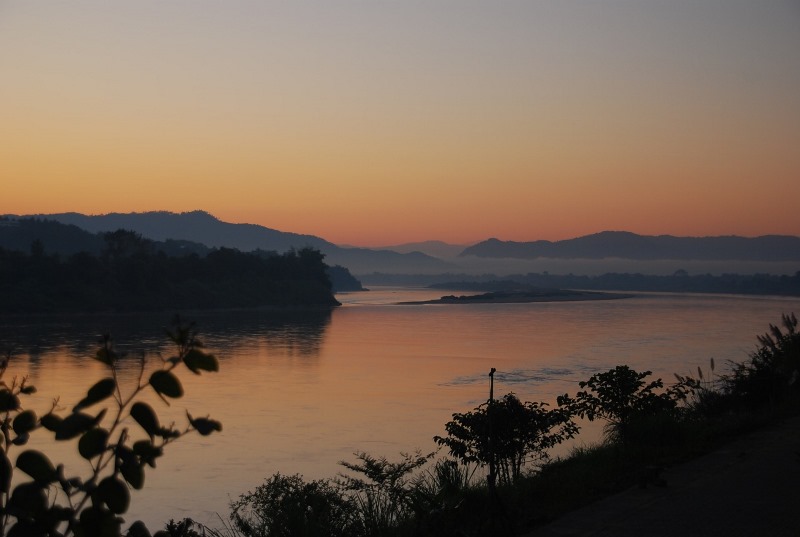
523 296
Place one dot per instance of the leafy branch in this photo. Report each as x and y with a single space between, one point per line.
53 504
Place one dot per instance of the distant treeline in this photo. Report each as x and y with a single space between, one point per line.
680 282
131 274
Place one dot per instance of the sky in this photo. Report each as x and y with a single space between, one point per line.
378 122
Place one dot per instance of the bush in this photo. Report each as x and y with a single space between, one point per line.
288 506
386 496
377 497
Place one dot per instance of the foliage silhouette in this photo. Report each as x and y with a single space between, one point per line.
181 528
288 506
707 398
52 503
377 497
772 374
132 275
386 496
516 433
621 396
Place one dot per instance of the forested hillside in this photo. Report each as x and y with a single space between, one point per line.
131 274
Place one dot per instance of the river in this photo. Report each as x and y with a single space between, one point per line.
298 392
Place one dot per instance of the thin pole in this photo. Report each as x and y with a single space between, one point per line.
492 462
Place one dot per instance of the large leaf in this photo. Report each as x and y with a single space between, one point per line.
28 500
101 390
146 417
37 465
8 401
25 422
21 439
133 472
113 492
165 383
197 360
138 529
204 426
147 452
74 425
93 443
51 422
95 521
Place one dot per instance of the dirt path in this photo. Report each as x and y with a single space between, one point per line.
750 487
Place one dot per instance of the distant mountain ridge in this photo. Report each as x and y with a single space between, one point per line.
204 228
430 257
197 226
626 245
438 249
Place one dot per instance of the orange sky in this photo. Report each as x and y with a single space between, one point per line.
374 123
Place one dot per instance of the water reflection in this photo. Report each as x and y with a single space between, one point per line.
298 391
292 333
285 333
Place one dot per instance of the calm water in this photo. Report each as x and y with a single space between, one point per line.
299 393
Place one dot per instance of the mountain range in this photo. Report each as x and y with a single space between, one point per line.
626 245
192 231
201 227
439 249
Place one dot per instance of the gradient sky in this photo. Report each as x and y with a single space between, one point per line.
385 121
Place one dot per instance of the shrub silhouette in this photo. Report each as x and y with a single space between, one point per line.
622 396
90 505
375 498
286 506
383 492
772 374
515 433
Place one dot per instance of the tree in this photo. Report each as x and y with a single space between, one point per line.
516 433
125 243
56 503
620 396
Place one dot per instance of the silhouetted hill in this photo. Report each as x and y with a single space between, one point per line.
19 234
438 249
197 226
201 227
54 237
625 245
51 238
365 261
